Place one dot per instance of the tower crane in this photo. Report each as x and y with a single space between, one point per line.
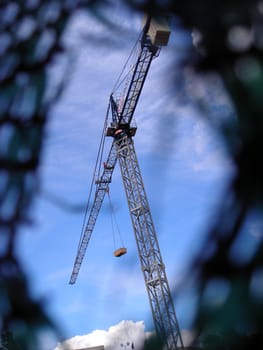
122 129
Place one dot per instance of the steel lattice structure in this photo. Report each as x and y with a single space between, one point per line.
101 189
147 244
122 148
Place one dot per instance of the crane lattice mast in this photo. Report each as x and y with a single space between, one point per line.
122 149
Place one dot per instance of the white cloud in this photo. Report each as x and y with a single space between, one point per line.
124 335
118 336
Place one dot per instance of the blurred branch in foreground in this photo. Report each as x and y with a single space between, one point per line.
31 38
229 268
228 272
229 44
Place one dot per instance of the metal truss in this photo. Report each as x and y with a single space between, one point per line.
147 52
148 248
102 185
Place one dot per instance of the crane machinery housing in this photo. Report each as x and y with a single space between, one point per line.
121 128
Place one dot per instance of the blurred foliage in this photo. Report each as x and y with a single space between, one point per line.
31 38
229 43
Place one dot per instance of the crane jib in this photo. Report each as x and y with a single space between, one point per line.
141 69
102 185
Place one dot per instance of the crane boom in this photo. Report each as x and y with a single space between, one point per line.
122 149
102 185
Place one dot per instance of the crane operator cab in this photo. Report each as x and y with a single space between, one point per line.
119 133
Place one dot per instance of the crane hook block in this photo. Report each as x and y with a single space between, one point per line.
119 252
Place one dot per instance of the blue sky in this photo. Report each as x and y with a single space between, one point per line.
184 168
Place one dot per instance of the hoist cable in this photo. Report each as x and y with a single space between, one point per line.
117 84
123 79
114 221
112 225
102 141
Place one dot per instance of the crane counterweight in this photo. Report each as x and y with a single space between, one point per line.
159 30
